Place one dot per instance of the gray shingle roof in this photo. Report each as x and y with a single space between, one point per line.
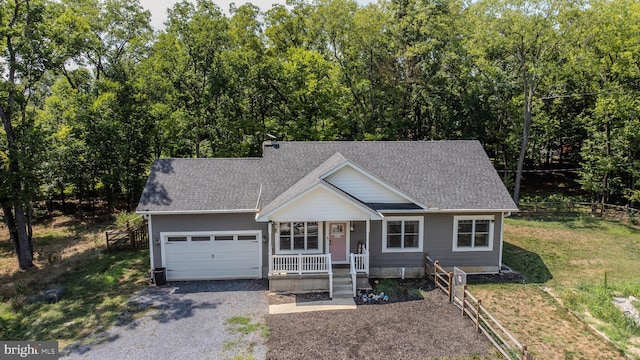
438 174
202 184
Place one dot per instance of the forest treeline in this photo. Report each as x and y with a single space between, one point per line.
91 94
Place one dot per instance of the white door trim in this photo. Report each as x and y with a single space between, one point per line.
347 232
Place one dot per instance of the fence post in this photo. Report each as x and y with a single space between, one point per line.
106 233
478 314
300 264
450 286
464 297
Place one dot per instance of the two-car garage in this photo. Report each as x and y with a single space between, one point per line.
205 255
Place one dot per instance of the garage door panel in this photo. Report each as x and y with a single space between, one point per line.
215 259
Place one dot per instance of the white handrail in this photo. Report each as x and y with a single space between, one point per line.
361 261
352 263
330 276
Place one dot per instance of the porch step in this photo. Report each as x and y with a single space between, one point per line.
342 294
342 285
341 272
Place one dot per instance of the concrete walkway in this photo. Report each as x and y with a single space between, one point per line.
335 304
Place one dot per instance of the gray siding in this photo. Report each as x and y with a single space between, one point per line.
438 238
382 260
439 242
205 222
359 234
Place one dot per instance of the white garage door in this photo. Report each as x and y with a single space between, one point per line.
216 255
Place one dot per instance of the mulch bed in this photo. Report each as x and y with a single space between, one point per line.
396 290
421 329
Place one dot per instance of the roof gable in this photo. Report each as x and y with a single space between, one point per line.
363 186
328 204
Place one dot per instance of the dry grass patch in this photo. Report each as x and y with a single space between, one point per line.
71 253
60 244
548 330
586 262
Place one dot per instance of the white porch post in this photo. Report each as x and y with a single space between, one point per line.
366 259
368 250
270 226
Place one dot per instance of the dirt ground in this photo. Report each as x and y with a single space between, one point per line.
420 329
60 243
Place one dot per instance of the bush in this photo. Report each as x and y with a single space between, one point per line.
125 219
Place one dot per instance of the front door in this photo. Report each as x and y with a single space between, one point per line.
338 241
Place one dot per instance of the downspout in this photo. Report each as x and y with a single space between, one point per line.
501 239
151 262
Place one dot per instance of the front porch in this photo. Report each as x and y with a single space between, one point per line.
316 272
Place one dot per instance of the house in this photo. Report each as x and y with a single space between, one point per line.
310 214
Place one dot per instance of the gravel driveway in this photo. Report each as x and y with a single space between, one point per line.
187 320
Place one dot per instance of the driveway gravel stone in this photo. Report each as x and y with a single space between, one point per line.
183 320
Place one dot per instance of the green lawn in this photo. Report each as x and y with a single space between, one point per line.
95 296
579 263
68 252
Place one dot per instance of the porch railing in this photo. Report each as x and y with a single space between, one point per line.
358 263
361 261
300 264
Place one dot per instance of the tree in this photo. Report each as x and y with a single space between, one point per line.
520 39
29 49
606 60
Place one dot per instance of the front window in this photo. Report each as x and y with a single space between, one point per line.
402 234
299 236
473 233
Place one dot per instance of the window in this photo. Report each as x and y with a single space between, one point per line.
176 238
473 233
402 234
201 238
299 236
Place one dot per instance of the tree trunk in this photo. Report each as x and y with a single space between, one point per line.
528 101
605 180
13 208
12 205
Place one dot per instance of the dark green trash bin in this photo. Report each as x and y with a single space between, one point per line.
160 276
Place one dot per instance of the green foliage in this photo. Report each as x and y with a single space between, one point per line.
561 74
387 286
597 299
243 325
128 219
95 295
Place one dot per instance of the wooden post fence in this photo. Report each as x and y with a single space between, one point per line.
504 342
